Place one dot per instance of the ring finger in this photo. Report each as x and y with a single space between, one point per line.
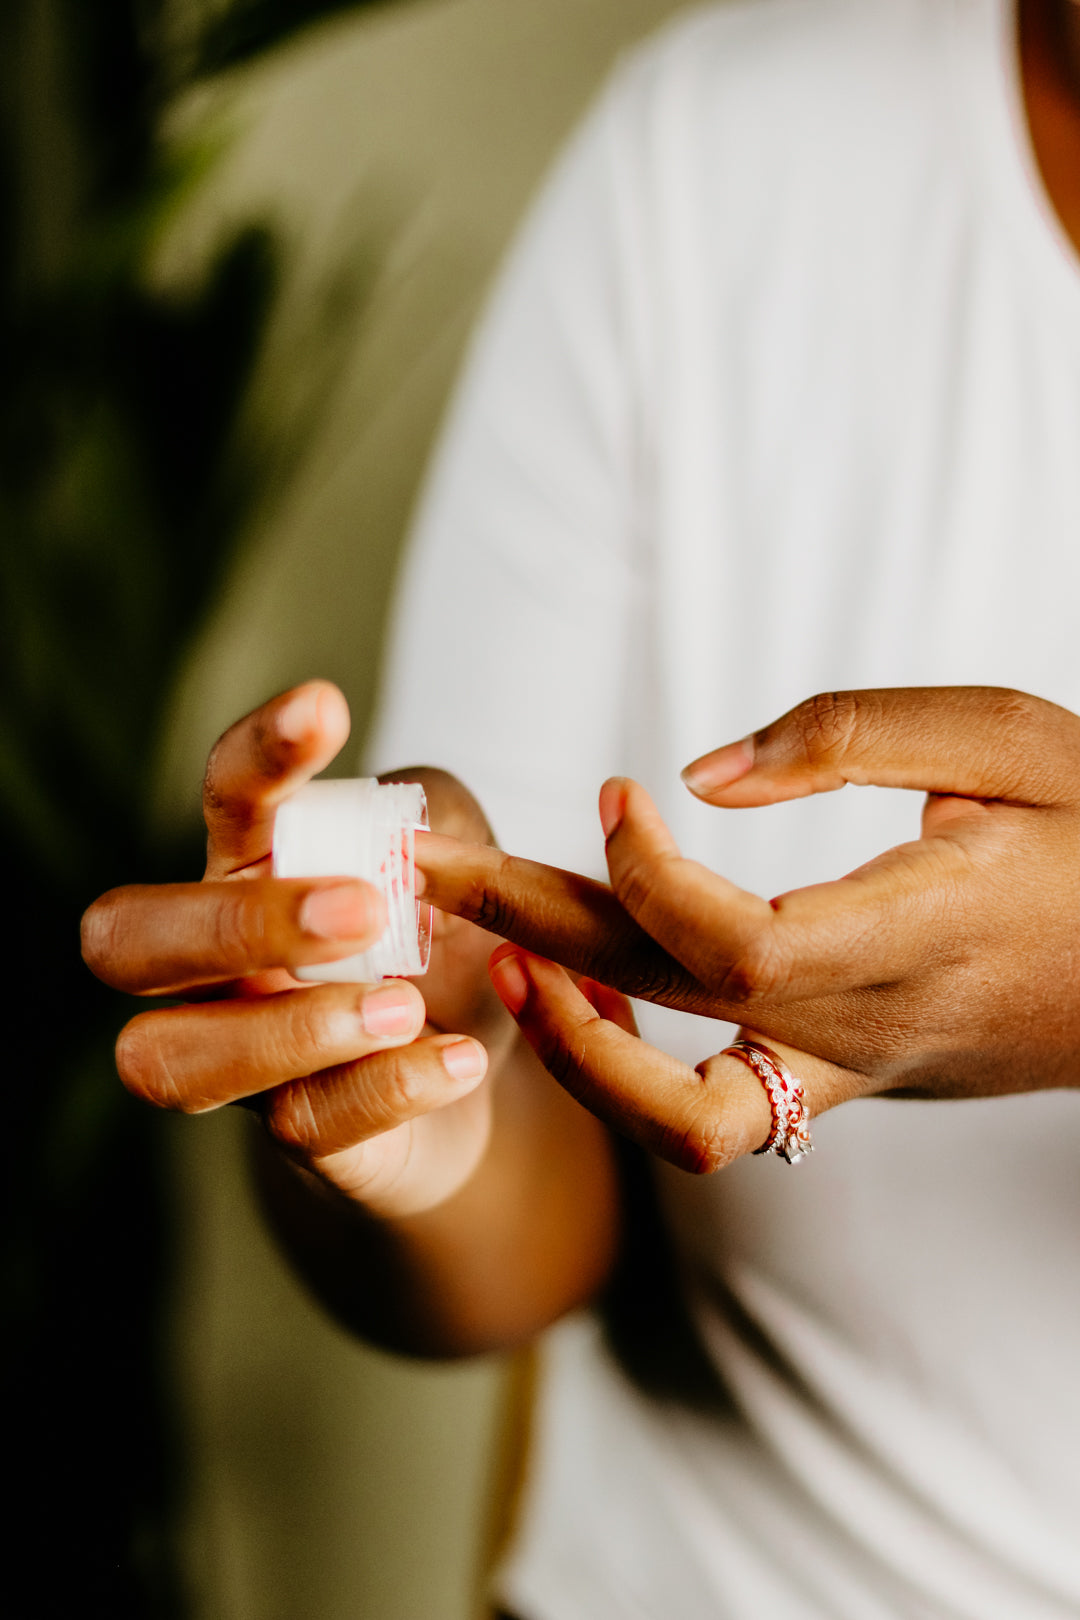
698 1119
194 1058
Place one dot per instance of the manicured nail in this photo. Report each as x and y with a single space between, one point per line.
510 980
300 716
612 804
720 768
343 912
391 1010
465 1060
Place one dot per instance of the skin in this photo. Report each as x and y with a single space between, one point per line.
434 1185
1050 68
943 968
433 1210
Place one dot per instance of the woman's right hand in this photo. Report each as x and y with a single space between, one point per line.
354 1082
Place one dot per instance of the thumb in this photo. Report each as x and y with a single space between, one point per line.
982 742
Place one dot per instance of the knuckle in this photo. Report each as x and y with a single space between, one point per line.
402 1083
215 801
225 799
488 910
292 1120
640 970
312 1115
389 1088
565 1057
1014 716
760 973
312 1027
1036 755
826 725
1014 709
637 883
487 906
238 927
703 1147
560 1063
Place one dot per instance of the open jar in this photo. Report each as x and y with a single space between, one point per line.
363 829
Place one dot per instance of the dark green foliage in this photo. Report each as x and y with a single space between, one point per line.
118 498
122 486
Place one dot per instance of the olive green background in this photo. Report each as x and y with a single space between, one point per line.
247 257
394 153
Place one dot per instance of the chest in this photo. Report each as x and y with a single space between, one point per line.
872 479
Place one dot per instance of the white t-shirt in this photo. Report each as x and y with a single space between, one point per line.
780 392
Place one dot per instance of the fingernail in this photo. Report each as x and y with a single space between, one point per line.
344 912
510 980
612 804
390 1011
300 716
716 770
465 1060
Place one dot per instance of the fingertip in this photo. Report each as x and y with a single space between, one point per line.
464 1060
317 710
713 772
350 910
506 967
296 720
613 804
394 1010
335 721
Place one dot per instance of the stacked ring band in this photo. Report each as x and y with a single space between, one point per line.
789 1137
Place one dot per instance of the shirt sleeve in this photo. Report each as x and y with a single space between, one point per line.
513 630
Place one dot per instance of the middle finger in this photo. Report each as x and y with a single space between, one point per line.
884 922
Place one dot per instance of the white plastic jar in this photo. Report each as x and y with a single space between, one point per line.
363 829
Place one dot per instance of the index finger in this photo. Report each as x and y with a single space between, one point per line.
259 762
161 939
561 915
975 742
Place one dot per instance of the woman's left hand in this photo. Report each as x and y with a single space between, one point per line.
947 967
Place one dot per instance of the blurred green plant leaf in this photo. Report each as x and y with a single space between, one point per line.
126 478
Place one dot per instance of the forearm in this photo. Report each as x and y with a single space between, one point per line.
529 1236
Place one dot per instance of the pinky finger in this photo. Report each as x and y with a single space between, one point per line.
339 1107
